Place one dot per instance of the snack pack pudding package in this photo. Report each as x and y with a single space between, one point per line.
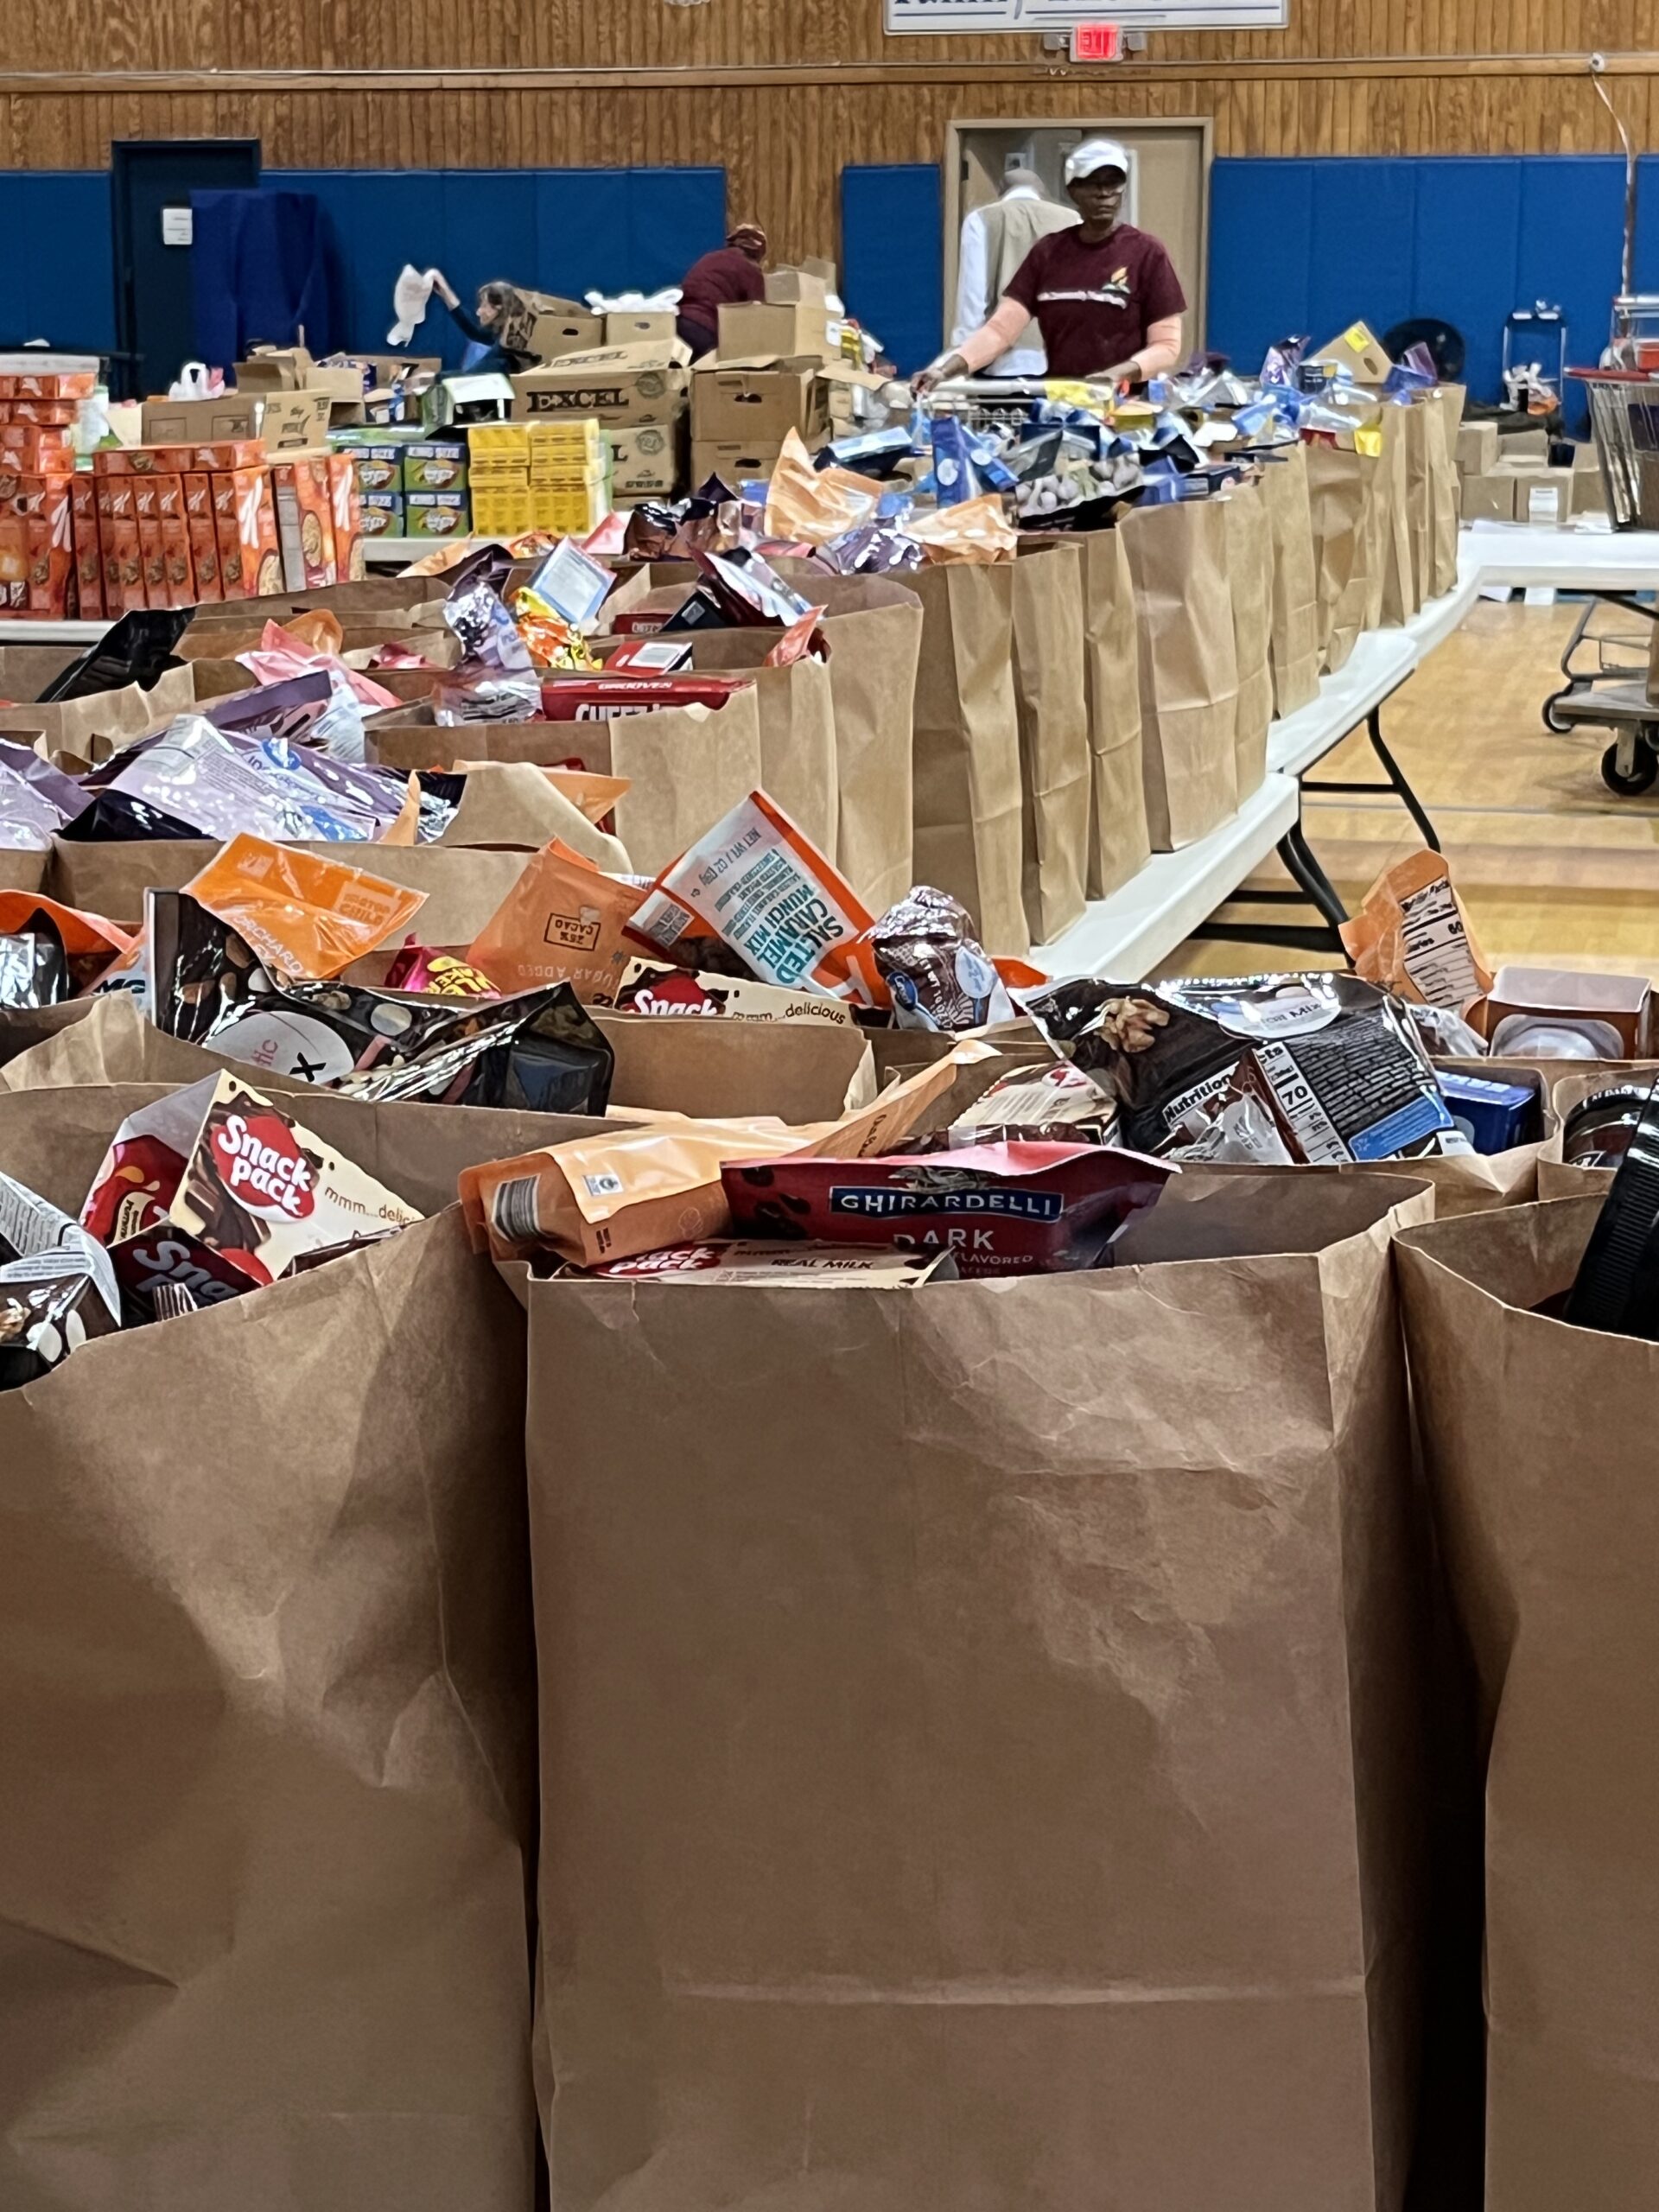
1412 935
1616 1287
767 1262
57 1286
302 916
215 1188
923 955
999 1209
563 922
649 987
1337 1063
658 1183
757 883
537 1050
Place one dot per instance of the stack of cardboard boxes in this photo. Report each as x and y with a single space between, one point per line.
550 473
1511 480
743 410
37 466
361 389
636 393
411 485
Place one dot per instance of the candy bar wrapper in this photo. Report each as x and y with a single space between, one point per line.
217 1188
609 1197
57 1286
601 698
563 922
648 987
998 1209
1055 1097
766 1262
302 916
759 883
1412 935
34 971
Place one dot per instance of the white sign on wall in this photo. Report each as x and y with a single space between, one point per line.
942 17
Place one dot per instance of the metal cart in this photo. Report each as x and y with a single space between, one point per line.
1598 658
1624 417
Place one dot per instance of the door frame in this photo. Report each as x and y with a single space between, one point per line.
121 168
1091 126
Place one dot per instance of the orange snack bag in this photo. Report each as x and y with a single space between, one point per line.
1412 935
816 504
977 531
302 916
608 1197
563 922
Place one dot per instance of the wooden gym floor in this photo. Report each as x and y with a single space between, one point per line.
1553 869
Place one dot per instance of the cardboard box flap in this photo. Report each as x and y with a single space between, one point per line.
650 353
755 364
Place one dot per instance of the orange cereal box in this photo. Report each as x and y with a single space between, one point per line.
245 521
175 542
146 507
89 554
348 518
118 531
204 540
305 519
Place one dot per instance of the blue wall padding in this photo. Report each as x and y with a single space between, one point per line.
1306 245
556 230
891 263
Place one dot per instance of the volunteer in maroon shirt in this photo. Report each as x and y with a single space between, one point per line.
1105 295
733 272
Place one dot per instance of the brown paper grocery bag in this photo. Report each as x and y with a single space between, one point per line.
266 1719
873 627
1538 1440
1248 549
799 1071
512 803
1393 599
24 871
1051 695
1189 667
1446 415
462 886
797 728
1422 435
101 724
1338 487
980 1767
688 766
1119 844
23 1027
966 811
1294 595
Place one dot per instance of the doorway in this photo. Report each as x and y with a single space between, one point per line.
1168 192
150 182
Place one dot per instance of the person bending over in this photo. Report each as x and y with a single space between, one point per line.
734 272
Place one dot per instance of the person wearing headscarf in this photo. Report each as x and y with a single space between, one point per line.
734 272
1105 295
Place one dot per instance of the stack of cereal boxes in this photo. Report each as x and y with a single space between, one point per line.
178 525
411 484
37 473
550 476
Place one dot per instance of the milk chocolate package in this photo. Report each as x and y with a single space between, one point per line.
215 1188
1337 1063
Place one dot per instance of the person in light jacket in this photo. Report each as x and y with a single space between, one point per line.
1106 297
995 241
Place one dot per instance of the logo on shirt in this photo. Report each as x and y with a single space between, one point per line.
1114 293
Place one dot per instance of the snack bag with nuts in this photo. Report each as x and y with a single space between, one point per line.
215 1188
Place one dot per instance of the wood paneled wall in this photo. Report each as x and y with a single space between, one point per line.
785 92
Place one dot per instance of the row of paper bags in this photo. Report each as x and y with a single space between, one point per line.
991 1744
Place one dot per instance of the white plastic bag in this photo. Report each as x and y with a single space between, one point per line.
410 295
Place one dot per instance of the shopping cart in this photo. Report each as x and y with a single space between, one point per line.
1600 655
999 408
1624 417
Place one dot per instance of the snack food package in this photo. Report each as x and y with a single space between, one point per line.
814 504
563 922
648 987
57 1286
973 533
738 1261
302 916
999 1209
923 958
216 1188
1412 935
755 883
1335 1060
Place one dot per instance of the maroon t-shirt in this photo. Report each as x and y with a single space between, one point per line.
720 279
1095 304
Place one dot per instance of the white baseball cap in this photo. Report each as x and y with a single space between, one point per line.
1095 154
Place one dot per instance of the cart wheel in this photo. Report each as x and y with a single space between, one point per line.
1643 771
1554 719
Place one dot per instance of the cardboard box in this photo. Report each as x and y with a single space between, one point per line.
233 415
435 465
381 514
553 336
1477 447
245 522
378 467
437 514
807 286
1544 497
852 398
1524 445
645 462
89 556
753 330
502 510
181 581
146 507
118 532
48 503
517 329
733 464
344 499
758 402
204 540
275 368
570 512
1489 497
645 326
305 520
621 386
295 421
1356 350
498 444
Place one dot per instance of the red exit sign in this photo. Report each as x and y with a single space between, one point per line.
1097 42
